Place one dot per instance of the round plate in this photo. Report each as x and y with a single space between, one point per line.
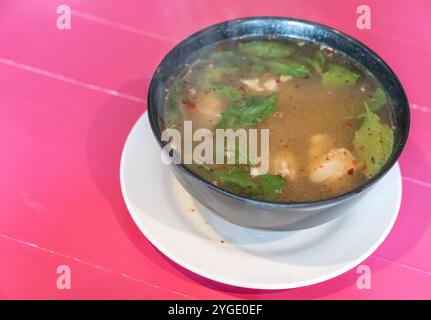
202 242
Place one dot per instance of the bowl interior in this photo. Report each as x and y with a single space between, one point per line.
277 27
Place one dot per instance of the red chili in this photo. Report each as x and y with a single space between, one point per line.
189 104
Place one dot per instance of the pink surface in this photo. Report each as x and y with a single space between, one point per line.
68 99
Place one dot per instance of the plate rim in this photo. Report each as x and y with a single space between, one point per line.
237 283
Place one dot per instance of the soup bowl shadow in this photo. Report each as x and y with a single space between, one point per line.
265 214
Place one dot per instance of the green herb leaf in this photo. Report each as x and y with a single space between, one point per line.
337 76
265 49
253 111
235 177
271 186
173 102
223 57
257 68
377 100
238 153
318 61
287 68
373 143
238 180
213 80
227 93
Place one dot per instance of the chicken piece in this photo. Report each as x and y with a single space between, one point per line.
264 83
253 84
271 85
319 144
282 163
285 78
336 164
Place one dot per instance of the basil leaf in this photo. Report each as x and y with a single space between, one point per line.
257 68
265 49
227 93
253 111
224 56
271 186
173 102
377 100
373 143
338 76
286 68
318 61
235 177
213 80
238 180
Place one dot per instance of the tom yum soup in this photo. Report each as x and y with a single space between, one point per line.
329 121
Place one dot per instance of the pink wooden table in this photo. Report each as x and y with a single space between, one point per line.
68 99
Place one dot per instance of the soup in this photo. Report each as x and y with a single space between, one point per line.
329 120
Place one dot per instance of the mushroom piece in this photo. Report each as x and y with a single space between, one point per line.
336 164
282 163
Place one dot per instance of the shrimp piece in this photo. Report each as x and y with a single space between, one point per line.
336 164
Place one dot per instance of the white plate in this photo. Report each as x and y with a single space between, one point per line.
210 246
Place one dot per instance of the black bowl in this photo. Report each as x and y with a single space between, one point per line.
264 214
